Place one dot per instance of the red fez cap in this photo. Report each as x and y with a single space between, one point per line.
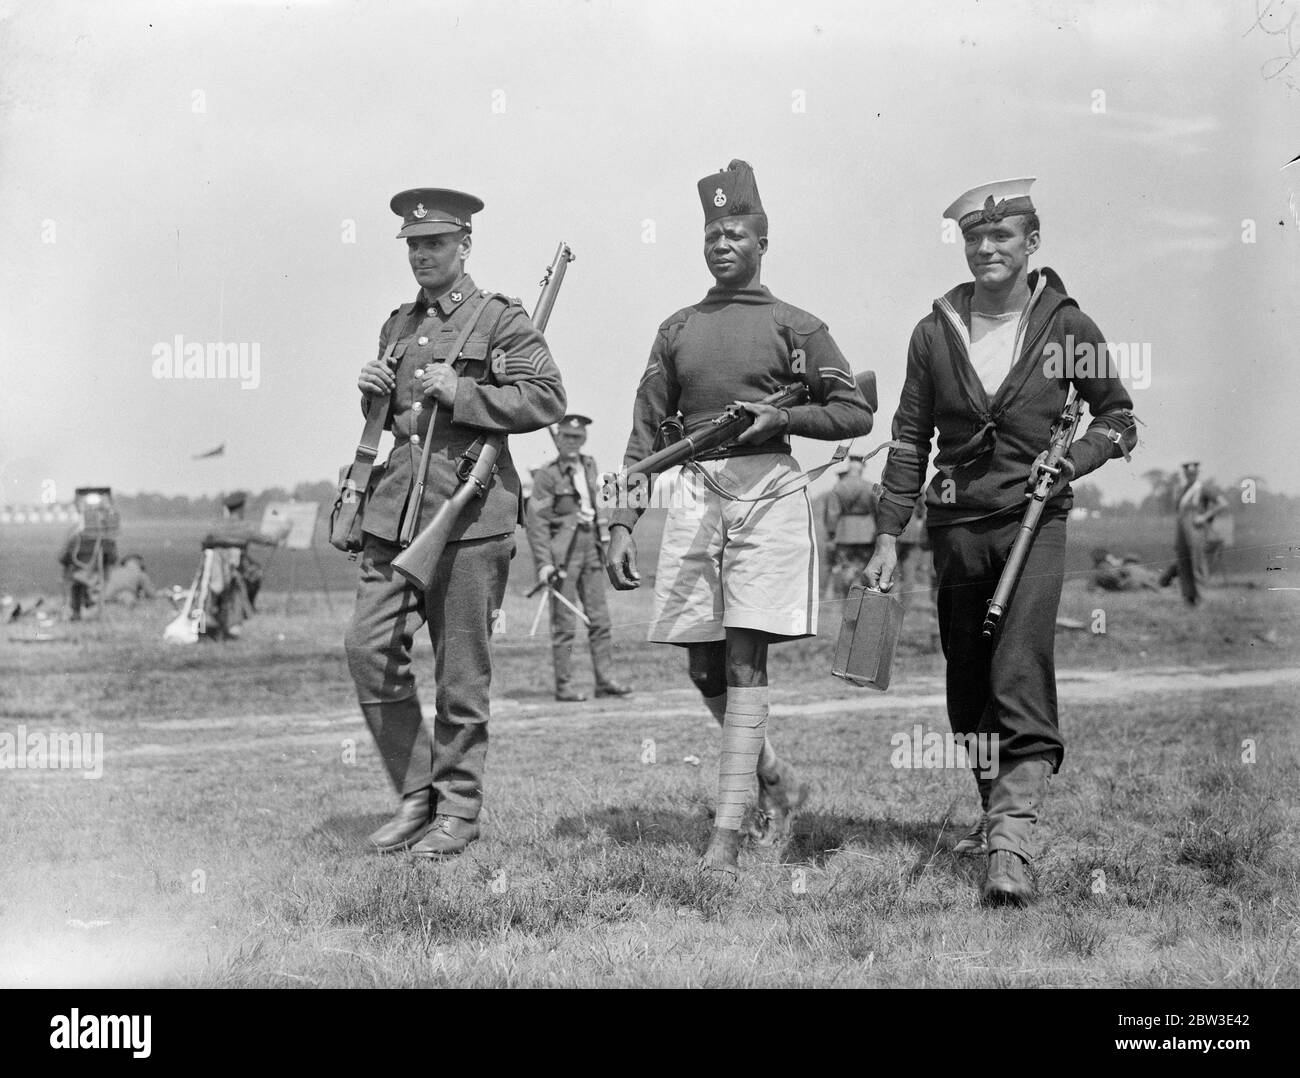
730 193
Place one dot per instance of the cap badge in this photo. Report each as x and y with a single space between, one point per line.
419 211
994 212
719 199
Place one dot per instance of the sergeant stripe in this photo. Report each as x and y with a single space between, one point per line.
835 374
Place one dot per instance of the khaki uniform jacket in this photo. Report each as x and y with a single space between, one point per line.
553 510
509 384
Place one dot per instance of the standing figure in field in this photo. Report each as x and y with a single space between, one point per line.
568 530
988 369
850 525
236 577
737 565
90 550
1198 504
456 365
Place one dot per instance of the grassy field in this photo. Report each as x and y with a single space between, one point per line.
29 552
224 843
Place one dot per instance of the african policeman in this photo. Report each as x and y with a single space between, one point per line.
737 566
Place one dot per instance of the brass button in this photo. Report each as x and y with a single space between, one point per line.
415 439
423 340
419 372
416 406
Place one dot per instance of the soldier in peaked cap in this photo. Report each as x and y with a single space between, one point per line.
850 525
737 575
984 369
1198 504
568 529
456 364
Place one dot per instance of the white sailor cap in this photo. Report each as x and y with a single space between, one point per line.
990 202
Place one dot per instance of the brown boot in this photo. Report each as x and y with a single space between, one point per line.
780 794
721 859
1018 791
448 837
977 840
1007 882
408 825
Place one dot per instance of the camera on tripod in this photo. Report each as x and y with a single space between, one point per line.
100 519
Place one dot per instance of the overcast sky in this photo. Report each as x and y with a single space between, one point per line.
221 171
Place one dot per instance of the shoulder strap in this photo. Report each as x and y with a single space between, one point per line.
376 409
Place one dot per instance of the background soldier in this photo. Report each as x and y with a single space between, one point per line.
1110 572
236 576
568 529
736 575
501 379
1198 504
128 583
976 371
90 549
850 525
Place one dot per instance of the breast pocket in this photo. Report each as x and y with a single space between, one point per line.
474 361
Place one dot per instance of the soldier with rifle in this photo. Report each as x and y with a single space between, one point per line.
993 368
458 370
737 565
568 532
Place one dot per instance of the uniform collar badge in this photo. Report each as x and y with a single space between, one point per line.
419 211
456 297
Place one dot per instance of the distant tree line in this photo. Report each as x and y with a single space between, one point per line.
148 506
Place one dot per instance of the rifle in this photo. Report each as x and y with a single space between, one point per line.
419 561
728 425
1062 435
725 428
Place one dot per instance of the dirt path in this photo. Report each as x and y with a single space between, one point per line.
169 736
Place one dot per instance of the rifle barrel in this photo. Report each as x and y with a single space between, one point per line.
1062 436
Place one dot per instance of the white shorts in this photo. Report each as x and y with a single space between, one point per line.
735 564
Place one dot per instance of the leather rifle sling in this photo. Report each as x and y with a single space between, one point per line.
376 413
410 516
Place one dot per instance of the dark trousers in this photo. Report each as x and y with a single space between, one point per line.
459 608
586 581
1193 568
1008 686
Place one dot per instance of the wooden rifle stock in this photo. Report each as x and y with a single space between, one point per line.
729 424
419 561
1062 436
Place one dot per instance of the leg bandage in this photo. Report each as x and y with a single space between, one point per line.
717 706
743 734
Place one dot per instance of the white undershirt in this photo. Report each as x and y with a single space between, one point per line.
993 346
